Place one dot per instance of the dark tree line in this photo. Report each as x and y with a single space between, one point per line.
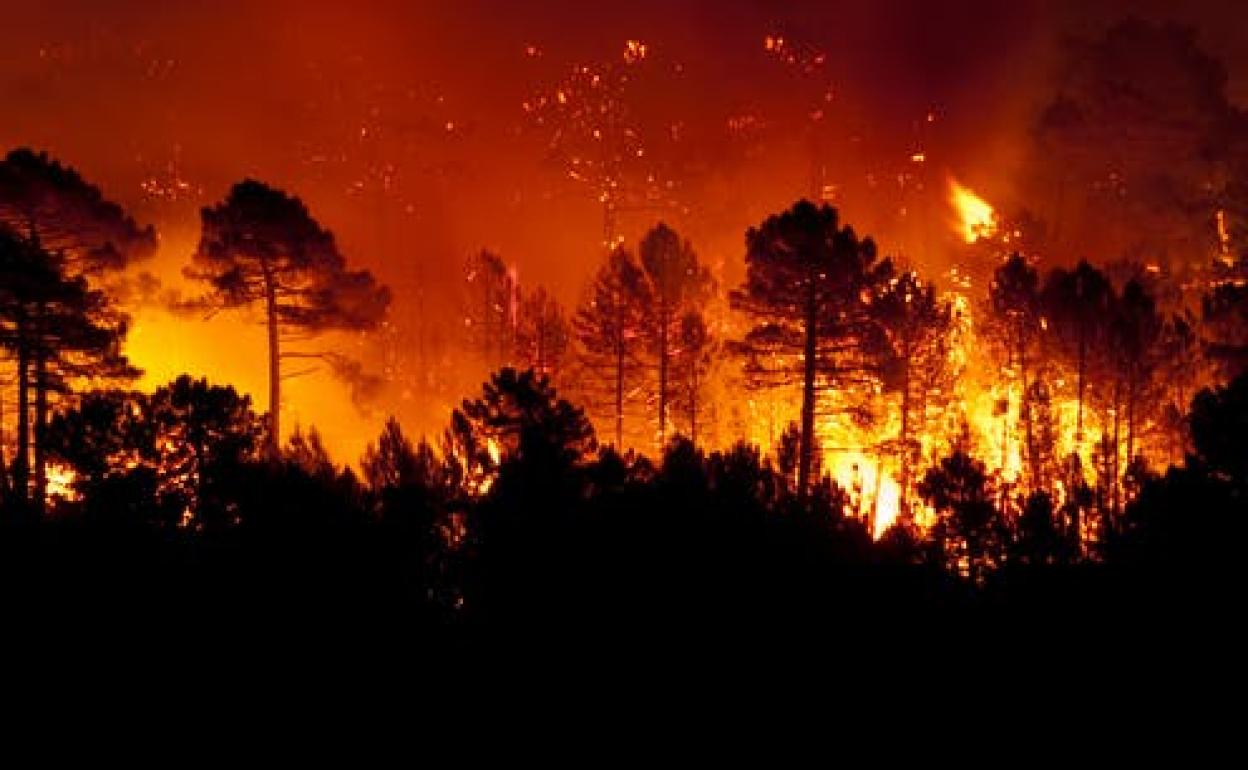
518 512
563 531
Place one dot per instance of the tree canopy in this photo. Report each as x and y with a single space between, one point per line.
808 290
262 246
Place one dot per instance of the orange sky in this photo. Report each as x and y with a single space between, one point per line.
400 124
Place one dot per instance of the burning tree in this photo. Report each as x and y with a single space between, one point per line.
692 363
1135 347
261 245
678 290
490 308
1014 325
1112 342
918 328
57 330
808 287
610 329
541 334
1077 308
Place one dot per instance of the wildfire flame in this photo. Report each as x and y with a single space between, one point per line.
61 480
976 216
1224 236
875 492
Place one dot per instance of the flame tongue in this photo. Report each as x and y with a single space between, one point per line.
976 216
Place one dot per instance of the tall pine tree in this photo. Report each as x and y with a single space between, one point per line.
262 246
610 331
678 285
808 287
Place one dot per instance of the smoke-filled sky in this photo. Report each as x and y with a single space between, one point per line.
400 123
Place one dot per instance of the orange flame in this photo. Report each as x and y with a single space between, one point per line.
976 216
61 480
869 480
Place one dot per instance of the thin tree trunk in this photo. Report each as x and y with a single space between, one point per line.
4 467
663 356
619 390
1024 406
275 369
41 422
1117 445
1005 434
540 353
1081 367
906 406
1176 433
875 495
807 449
1132 389
21 461
693 401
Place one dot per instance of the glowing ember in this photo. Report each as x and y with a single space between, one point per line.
634 51
976 216
61 480
1224 234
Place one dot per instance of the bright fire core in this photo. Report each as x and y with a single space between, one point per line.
976 216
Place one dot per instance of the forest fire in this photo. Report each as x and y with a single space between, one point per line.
656 295
61 483
875 492
976 216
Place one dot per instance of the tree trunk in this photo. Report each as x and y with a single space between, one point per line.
663 362
1132 390
807 448
1082 365
619 390
21 461
1024 407
1117 446
1176 432
693 401
875 495
906 406
539 357
275 369
4 467
41 423
1005 434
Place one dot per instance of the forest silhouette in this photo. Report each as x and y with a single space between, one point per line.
608 476
182 501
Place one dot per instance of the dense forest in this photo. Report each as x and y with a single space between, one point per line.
1046 430
524 511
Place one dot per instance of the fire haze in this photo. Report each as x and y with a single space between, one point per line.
401 125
